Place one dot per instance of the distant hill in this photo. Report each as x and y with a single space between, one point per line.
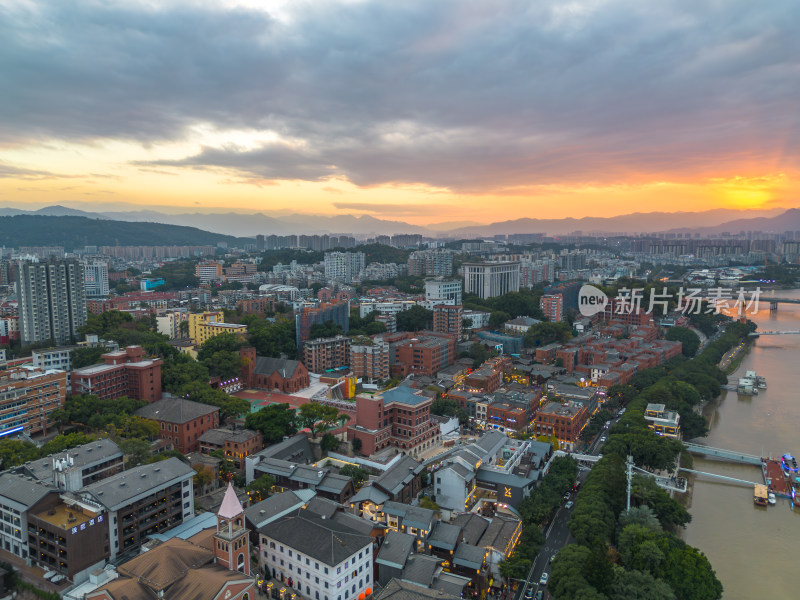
75 232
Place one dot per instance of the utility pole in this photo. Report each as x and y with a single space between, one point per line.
629 474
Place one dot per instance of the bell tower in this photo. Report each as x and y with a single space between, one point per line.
231 542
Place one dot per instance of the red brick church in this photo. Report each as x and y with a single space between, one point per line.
261 372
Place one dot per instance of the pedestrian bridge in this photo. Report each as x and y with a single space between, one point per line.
722 454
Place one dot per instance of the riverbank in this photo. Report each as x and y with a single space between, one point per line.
734 357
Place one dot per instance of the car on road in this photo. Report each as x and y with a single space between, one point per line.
529 593
543 579
602 439
566 496
569 505
540 595
621 412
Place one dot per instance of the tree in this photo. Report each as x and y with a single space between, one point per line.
444 407
328 329
426 502
203 478
316 417
137 451
497 318
84 357
547 332
229 406
356 443
689 339
416 318
274 422
220 355
358 475
635 585
261 487
329 443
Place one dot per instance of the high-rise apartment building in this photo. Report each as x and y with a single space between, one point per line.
552 306
95 278
343 266
52 300
490 279
447 319
434 263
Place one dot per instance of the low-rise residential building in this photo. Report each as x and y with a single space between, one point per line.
18 495
28 398
181 421
235 445
122 373
77 467
142 501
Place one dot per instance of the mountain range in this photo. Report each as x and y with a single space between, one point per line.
251 224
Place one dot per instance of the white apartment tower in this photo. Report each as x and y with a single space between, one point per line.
95 277
490 279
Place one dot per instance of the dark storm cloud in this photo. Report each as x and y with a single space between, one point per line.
464 95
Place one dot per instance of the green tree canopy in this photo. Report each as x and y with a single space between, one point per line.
689 339
274 422
416 318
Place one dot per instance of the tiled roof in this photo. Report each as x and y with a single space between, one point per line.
176 410
324 540
267 366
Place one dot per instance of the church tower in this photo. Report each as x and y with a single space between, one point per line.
231 542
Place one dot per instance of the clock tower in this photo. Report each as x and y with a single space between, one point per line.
231 542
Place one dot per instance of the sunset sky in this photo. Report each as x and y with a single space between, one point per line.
422 111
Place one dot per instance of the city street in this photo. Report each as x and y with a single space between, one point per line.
557 534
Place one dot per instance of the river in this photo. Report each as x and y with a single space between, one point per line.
754 550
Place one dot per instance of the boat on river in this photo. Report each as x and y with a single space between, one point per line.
789 465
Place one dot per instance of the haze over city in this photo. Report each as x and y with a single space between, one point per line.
414 111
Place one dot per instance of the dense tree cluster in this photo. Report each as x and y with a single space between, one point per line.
689 339
416 318
546 332
622 555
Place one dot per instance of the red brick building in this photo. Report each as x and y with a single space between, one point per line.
399 417
287 376
235 445
181 421
123 373
421 353
563 421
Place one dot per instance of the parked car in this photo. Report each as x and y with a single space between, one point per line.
566 496
569 505
543 579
